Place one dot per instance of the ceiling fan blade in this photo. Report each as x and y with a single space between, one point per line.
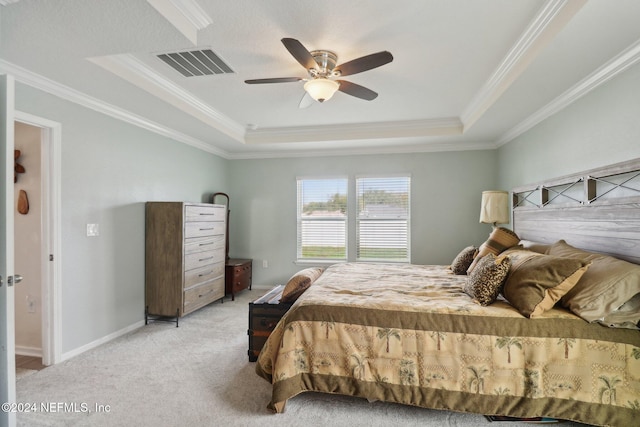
275 80
356 90
364 63
306 101
300 53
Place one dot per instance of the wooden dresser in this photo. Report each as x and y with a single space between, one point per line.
238 276
185 257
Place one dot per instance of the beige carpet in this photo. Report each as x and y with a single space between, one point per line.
197 375
24 372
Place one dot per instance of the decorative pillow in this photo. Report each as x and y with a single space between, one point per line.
536 282
484 282
299 283
627 316
530 245
499 240
463 260
605 287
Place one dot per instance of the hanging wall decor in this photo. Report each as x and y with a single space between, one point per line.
17 167
23 200
23 203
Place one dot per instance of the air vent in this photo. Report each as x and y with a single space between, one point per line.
196 63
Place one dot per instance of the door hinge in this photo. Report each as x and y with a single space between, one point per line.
50 257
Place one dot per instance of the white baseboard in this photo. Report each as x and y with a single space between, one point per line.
100 341
28 351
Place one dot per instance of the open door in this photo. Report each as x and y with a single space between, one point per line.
7 308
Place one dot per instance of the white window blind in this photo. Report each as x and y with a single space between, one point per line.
322 219
383 228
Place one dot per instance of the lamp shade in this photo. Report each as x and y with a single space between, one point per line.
321 89
495 207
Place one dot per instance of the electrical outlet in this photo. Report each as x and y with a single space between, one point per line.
93 230
265 263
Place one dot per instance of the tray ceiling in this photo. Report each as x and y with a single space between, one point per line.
465 75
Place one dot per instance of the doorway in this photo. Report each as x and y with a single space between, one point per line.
37 239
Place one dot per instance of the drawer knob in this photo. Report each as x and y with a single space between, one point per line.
205 294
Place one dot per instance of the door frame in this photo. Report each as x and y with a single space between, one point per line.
7 205
51 249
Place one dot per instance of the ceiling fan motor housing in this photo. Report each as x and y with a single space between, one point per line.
326 61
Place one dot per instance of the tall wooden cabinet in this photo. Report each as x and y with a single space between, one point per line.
185 257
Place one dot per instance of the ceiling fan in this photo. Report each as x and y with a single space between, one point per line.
323 80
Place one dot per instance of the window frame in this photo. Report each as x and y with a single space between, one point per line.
358 219
351 220
299 221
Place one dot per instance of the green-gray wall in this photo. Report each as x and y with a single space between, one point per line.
600 128
445 204
109 170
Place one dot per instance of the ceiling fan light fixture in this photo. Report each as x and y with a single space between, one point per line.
321 89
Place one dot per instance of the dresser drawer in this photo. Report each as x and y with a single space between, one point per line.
199 296
202 259
241 270
203 274
201 244
240 281
204 213
203 229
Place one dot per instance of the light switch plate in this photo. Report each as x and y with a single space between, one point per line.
93 230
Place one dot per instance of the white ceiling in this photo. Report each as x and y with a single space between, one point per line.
466 74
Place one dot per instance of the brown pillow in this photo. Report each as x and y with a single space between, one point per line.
499 240
536 282
530 245
300 282
604 288
484 282
463 260
627 316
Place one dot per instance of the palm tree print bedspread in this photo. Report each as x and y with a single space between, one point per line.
409 334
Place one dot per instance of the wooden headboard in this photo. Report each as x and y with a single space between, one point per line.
596 210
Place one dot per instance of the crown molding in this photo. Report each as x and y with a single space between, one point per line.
550 19
186 15
128 67
131 69
427 147
193 12
608 71
44 84
351 131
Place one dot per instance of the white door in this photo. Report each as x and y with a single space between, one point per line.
7 308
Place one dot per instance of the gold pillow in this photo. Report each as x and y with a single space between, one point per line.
499 240
604 288
536 282
300 282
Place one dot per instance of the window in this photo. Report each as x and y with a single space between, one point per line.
322 219
383 218
380 229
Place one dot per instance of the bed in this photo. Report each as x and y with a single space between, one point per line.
419 335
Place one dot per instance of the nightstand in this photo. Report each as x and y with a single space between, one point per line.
238 276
